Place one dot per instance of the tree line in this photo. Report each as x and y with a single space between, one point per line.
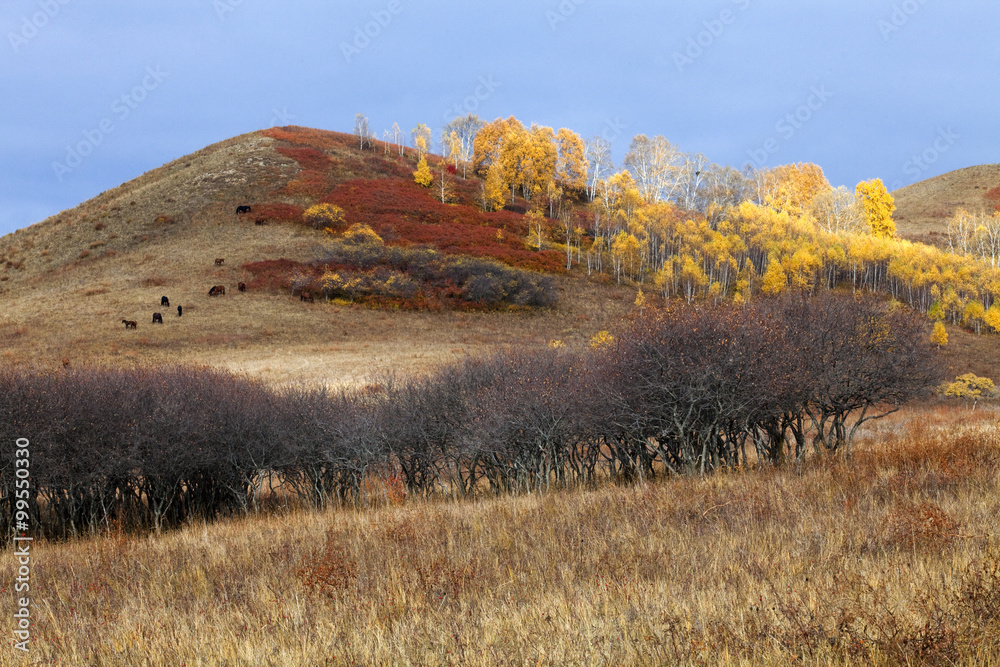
702 231
679 391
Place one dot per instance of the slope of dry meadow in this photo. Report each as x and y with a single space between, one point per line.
67 282
923 208
887 559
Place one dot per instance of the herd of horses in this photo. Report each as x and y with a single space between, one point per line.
216 290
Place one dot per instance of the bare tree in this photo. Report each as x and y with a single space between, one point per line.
361 130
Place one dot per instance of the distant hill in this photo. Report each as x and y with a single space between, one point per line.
923 208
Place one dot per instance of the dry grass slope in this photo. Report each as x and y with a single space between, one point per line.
889 559
923 208
67 282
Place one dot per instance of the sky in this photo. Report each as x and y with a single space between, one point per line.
95 94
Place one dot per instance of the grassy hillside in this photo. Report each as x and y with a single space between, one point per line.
923 208
887 559
67 282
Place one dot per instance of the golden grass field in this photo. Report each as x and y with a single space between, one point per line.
890 558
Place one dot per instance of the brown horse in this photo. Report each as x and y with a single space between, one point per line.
307 297
217 290
157 318
219 261
130 324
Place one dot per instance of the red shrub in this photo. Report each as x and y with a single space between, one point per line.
307 136
278 212
404 214
993 196
277 274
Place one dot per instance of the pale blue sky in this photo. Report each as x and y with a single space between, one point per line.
902 90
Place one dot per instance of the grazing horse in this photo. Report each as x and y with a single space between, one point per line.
130 324
242 287
259 221
157 317
219 261
65 362
243 209
217 290
164 301
180 311
307 297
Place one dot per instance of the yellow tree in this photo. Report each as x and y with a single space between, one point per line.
494 188
536 227
626 254
489 141
774 280
794 187
939 336
421 139
423 174
571 167
454 146
877 206
970 387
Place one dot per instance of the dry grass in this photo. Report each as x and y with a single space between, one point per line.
891 558
923 209
159 235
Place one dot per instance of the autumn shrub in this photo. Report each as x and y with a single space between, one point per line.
481 282
405 212
278 212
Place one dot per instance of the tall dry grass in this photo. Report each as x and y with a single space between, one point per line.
889 558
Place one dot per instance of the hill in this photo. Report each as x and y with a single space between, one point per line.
923 208
67 282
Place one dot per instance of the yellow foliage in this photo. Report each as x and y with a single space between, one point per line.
601 339
494 192
939 336
877 206
774 281
422 176
640 299
992 317
969 387
793 187
362 233
571 168
324 215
